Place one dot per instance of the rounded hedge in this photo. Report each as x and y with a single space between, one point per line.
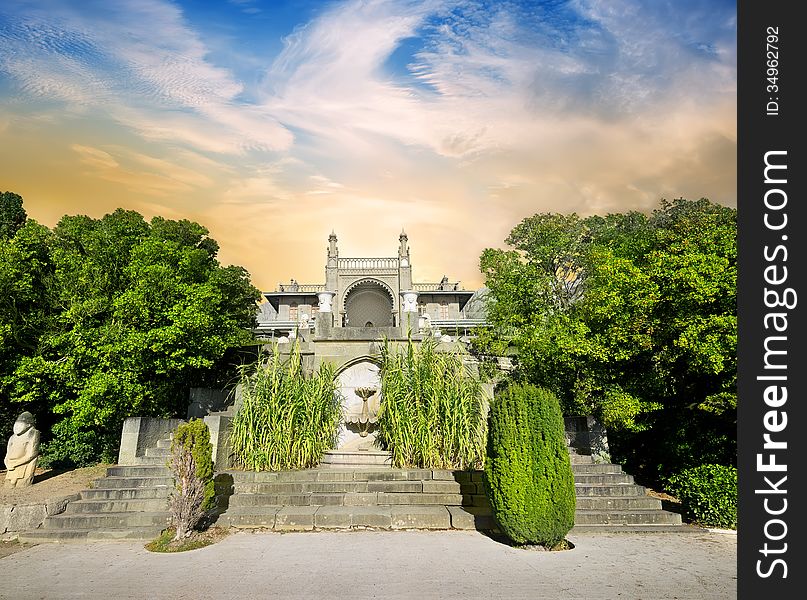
708 494
529 477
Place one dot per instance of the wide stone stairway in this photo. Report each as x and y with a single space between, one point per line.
607 500
131 501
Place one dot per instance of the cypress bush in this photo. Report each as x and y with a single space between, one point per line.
192 465
529 475
708 494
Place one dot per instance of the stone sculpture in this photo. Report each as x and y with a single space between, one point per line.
22 453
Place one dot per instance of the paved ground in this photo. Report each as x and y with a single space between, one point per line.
408 564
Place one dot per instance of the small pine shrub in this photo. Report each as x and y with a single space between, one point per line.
192 464
708 494
529 475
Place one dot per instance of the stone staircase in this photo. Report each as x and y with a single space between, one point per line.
131 502
329 498
607 500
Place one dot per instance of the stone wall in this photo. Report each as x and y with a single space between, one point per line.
15 518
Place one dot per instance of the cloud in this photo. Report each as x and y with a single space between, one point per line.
139 63
140 172
453 119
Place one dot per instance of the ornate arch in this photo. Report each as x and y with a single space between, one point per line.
368 302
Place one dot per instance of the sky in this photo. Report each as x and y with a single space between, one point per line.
274 122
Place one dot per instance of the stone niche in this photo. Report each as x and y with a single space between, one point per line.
359 376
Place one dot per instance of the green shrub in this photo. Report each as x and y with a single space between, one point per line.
432 411
529 476
288 419
71 446
192 465
708 494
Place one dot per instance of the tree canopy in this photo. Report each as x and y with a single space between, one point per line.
108 318
631 318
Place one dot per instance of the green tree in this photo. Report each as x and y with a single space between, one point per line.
644 335
12 214
142 312
27 305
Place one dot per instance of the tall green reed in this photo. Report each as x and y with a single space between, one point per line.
288 418
433 414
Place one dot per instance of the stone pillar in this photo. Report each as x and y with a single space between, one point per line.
409 311
325 321
140 433
332 269
219 426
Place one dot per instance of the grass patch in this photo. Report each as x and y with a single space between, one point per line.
198 539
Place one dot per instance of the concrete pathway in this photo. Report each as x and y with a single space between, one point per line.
367 564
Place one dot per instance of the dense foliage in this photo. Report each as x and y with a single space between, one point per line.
528 472
101 319
191 463
708 494
288 418
630 318
433 412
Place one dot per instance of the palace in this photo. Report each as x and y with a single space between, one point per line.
363 303
368 298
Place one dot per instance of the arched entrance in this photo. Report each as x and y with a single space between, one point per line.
368 303
363 375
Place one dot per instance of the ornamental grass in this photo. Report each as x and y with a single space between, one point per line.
288 418
433 414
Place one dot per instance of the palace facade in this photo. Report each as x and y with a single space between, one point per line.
368 298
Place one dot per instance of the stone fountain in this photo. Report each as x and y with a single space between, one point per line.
357 446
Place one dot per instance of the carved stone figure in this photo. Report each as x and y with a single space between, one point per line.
22 453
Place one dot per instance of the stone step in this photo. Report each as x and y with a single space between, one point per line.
634 529
626 517
38 536
157 461
580 459
138 471
617 503
306 518
158 452
331 487
133 482
477 500
335 459
252 500
120 520
603 478
591 468
302 487
622 489
117 506
126 493
470 517
310 475
165 443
